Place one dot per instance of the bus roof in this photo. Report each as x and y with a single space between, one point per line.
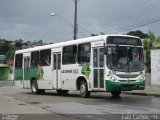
69 42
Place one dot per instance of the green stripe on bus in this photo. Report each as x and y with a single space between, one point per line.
119 86
29 73
18 74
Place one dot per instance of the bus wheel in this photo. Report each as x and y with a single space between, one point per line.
34 87
84 90
62 92
115 94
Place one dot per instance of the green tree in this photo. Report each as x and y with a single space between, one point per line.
10 54
96 34
19 43
138 33
4 48
149 43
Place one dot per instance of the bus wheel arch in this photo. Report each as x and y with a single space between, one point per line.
79 80
33 78
34 87
83 87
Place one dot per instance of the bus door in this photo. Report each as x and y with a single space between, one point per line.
26 72
56 70
98 68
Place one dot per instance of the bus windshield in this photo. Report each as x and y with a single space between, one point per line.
125 58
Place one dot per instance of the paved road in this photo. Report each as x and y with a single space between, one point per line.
98 106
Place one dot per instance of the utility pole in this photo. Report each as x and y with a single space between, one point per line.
75 21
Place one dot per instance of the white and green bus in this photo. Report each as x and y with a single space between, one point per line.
94 64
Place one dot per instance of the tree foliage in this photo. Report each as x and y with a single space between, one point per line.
4 47
138 33
19 43
150 43
9 50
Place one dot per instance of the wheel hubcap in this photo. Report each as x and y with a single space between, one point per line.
82 89
34 87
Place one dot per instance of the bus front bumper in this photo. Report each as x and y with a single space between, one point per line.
123 86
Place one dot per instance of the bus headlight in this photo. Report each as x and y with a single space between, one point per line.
113 78
142 78
141 73
109 73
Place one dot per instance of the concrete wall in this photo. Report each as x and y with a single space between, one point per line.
148 79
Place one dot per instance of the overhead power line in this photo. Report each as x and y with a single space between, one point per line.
137 25
151 21
136 15
119 12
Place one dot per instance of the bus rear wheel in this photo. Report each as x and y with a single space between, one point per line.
84 90
115 94
34 88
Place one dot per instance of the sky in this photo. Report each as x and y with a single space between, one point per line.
30 20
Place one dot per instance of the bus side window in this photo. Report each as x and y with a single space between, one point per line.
45 57
84 53
34 58
18 61
69 54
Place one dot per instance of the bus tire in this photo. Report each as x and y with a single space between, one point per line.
84 90
62 92
115 94
34 87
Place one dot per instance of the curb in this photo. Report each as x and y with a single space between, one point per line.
7 83
142 94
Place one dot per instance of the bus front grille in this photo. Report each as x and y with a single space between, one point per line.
127 76
129 86
127 81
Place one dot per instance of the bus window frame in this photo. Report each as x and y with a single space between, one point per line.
43 60
37 60
78 53
64 56
21 64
